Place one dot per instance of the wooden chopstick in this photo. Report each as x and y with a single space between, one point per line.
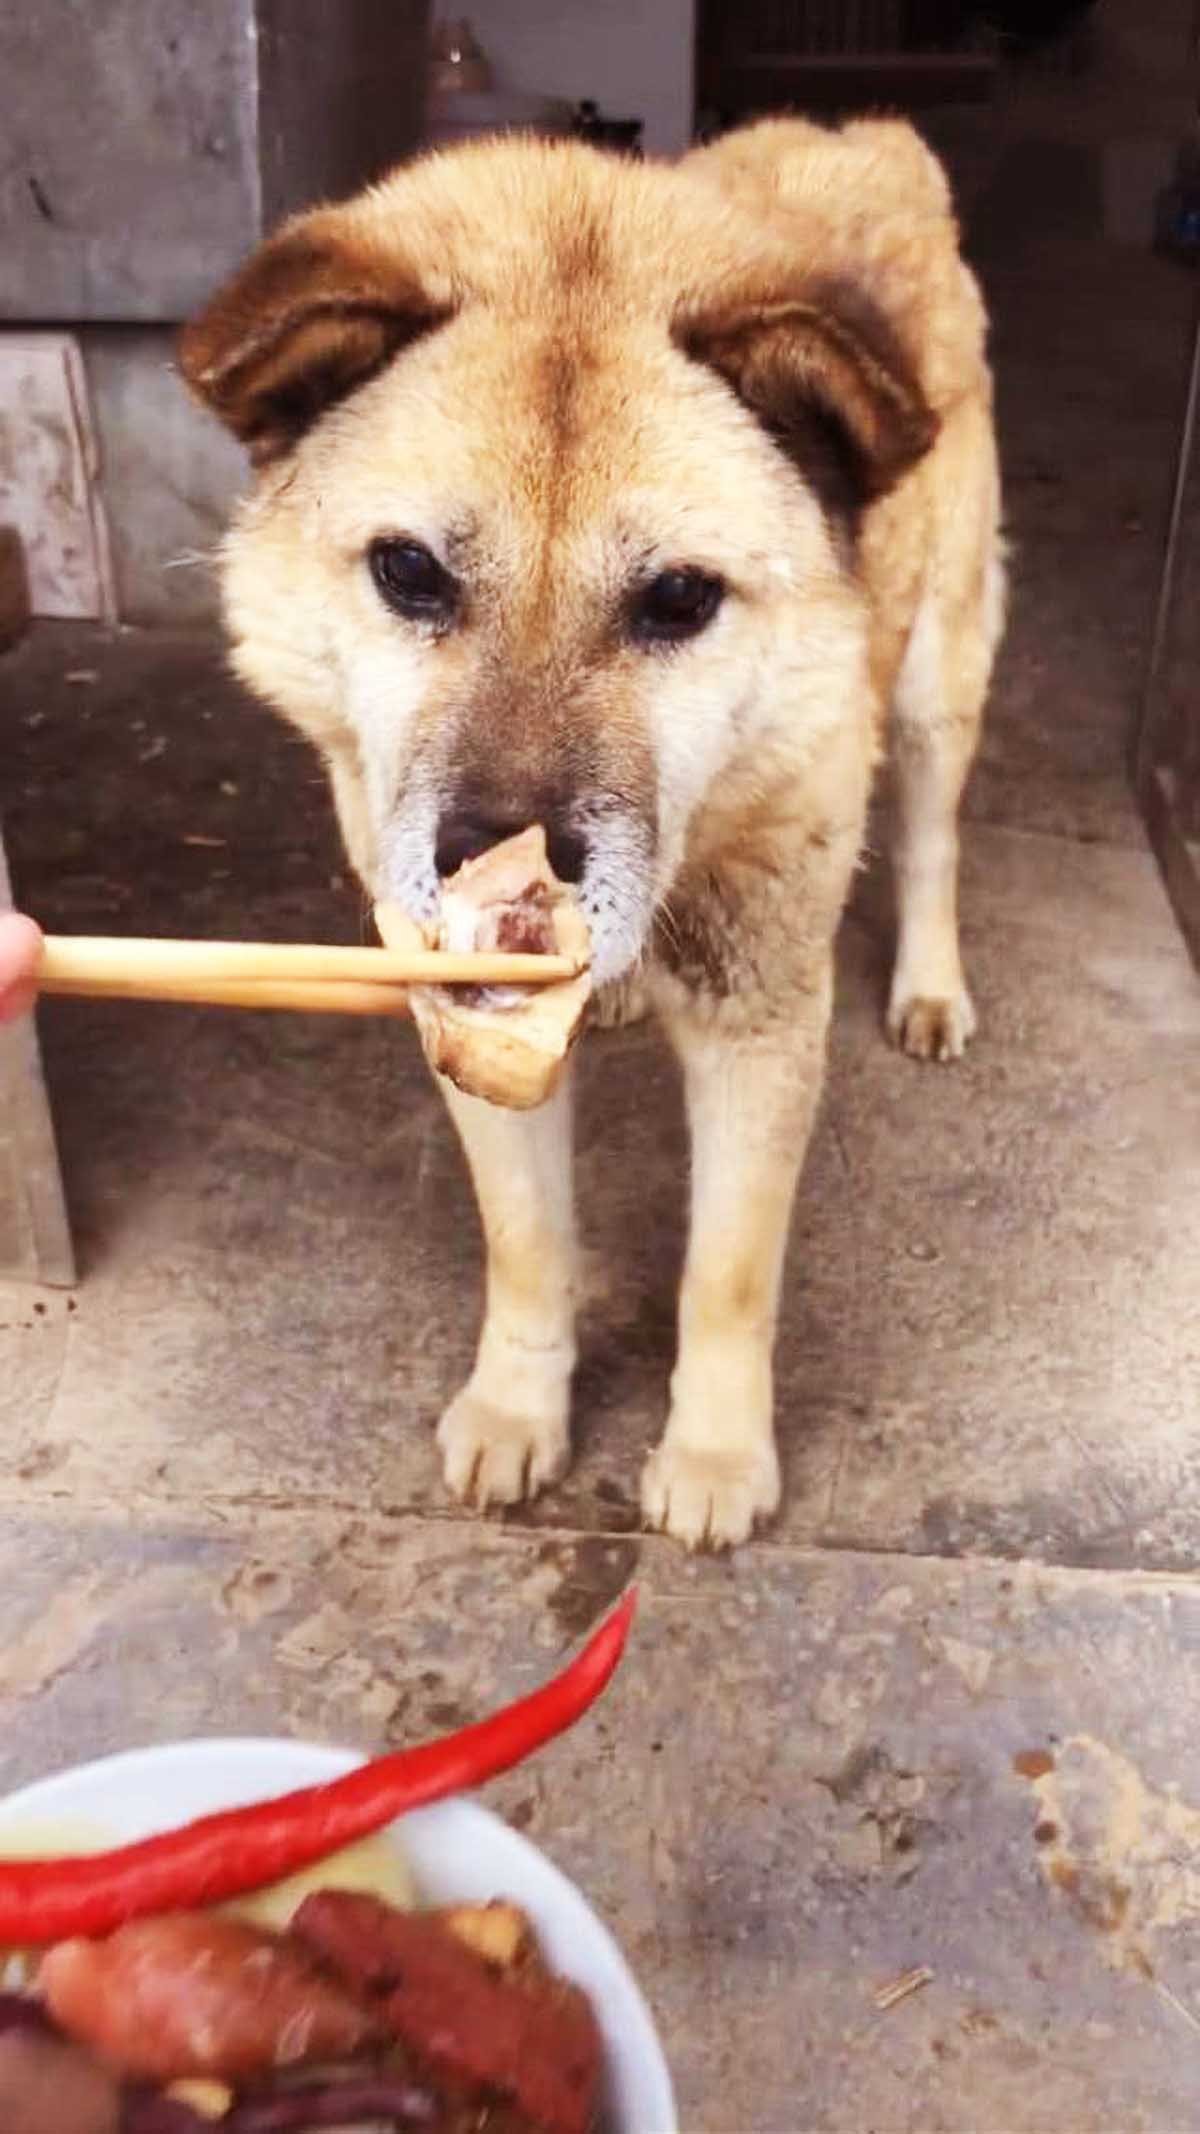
330 996
347 981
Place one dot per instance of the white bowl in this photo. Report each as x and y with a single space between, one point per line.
458 1852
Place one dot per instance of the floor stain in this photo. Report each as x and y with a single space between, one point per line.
1033 1763
1126 1858
66 1627
594 1573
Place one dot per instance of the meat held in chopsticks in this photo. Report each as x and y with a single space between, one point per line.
510 1045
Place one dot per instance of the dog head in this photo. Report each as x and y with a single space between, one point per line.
558 462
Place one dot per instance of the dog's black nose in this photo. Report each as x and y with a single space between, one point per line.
466 832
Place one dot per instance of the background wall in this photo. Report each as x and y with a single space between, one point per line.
129 168
169 475
149 144
633 57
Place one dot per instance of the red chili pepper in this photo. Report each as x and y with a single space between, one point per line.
222 1856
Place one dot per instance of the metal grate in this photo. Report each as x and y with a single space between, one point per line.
805 29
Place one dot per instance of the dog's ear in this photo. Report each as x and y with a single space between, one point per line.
313 314
825 361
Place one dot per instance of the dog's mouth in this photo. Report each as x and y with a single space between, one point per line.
614 878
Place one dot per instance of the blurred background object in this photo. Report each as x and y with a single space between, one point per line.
622 135
465 102
14 587
458 62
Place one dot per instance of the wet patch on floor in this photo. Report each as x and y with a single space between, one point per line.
1125 1856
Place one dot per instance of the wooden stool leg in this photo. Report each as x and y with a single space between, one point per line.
35 1239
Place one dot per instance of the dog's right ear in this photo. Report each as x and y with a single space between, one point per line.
314 313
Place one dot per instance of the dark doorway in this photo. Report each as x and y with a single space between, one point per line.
836 55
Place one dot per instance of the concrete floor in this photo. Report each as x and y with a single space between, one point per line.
943 1714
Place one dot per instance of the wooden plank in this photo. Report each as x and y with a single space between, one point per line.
48 476
35 1237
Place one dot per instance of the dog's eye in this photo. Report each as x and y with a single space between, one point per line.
676 604
411 580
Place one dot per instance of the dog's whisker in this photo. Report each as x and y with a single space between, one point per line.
193 559
665 918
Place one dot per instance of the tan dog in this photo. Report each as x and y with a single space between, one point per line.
627 499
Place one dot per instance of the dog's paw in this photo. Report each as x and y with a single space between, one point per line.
709 1499
929 1028
492 1456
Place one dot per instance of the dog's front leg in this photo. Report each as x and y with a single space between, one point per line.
752 1076
506 1434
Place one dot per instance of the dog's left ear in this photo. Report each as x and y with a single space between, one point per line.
828 356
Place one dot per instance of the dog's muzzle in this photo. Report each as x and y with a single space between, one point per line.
599 845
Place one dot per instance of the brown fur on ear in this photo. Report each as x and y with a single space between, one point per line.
310 316
828 354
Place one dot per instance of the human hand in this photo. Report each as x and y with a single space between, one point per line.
20 950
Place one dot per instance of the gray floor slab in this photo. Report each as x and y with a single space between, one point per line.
990 1327
861 1724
